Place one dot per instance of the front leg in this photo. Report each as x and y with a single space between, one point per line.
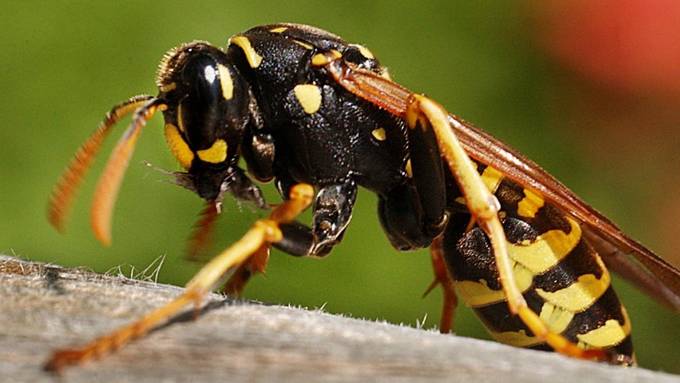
258 148
331 213
261 235
242 188
258 151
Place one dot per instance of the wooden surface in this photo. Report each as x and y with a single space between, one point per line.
46 306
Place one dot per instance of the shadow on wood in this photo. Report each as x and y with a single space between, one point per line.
45 307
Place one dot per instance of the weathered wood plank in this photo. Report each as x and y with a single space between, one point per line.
43 307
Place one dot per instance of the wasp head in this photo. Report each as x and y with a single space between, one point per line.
205 102
207 112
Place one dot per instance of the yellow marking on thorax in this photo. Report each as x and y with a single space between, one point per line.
530 204
610 334
303 44
491 178
254 59
379 134
178 147
309 97
581 294
321 59
278 29
364 51
547 249
226 82
215 154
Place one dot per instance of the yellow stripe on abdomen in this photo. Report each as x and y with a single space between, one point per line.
608 335
529 260
547 250
581 294
477 294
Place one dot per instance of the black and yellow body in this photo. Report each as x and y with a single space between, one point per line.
301 106
329 138
561 276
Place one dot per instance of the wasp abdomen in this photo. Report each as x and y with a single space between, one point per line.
562 278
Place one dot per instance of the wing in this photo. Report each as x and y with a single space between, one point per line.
622 254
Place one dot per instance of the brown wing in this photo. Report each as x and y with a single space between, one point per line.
622 254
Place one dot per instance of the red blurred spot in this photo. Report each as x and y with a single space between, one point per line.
630 45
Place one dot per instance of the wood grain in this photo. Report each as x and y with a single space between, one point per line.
43 307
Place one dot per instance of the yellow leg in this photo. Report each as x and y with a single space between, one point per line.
263 232
484 208
257 263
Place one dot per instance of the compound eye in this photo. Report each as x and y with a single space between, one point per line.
201 110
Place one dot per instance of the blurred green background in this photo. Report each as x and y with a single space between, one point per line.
64 64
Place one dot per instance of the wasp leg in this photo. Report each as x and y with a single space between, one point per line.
257 263
484 207
201 236
428 176
258 148
262 233
443 279
331 213
402 217
243 189
258 151
414 213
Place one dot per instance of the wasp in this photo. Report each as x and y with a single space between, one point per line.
320 117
